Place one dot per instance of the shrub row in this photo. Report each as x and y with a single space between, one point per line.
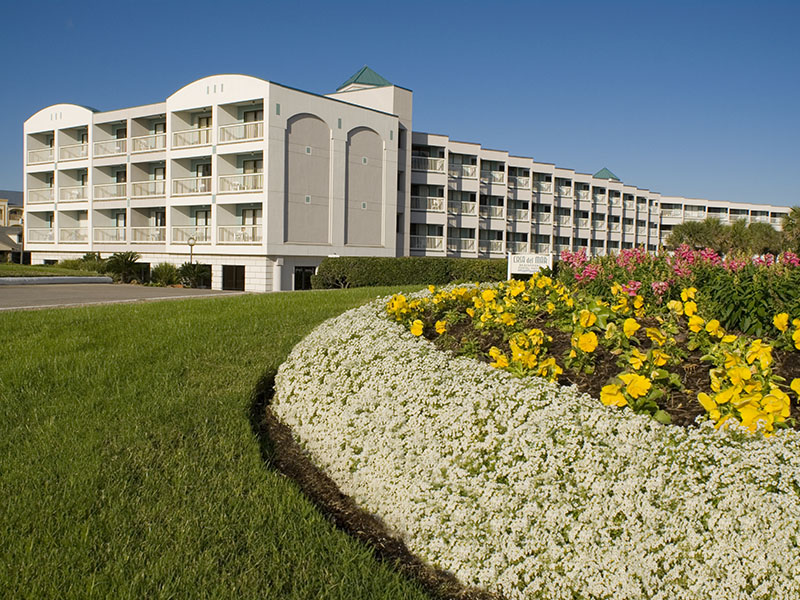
347 271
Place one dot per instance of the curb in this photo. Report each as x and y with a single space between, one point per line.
52 280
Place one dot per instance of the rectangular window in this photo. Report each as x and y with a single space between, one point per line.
253 166
159 128
251 116
121 176
204 122
202 218
121 133
159 173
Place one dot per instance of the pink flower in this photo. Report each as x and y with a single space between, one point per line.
632 287
659 288
790 258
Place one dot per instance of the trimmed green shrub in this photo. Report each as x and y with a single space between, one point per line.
164 274
360 271
194 275
122 265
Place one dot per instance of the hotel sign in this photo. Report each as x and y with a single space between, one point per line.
527 264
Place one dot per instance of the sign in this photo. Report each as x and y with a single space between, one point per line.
527 264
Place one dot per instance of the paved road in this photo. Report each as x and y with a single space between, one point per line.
16 297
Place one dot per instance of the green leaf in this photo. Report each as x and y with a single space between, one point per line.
662 417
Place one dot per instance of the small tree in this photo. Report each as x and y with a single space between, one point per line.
122 265
164 274
194 275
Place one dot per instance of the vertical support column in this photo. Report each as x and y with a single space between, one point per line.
277 273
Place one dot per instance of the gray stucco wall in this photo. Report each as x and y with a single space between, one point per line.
308 167
364 191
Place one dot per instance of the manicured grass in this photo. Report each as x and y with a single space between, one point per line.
14 270
129 468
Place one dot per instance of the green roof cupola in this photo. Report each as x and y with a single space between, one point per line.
363 78
606 174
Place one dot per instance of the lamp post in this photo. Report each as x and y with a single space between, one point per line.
191 241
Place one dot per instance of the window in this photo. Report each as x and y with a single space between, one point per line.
204 122
202 218
159 218
121 133
253 166
203 169
120 219
251 116
121 176
85 137
251 216
159 128
159 173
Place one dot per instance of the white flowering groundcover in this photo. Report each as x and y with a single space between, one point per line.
533 490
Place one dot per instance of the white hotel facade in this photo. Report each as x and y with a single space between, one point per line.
267 180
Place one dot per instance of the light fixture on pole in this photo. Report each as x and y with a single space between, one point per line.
191 241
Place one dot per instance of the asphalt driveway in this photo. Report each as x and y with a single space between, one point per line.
20 297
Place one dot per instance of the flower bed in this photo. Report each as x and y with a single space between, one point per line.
534 490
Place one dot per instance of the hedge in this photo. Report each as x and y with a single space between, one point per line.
351 271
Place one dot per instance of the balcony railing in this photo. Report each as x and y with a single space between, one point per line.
542 186
239 234
427 242
582 223
518 214
424 163
458 244
599 198
582 194
40 195
461 208
427 203
43 155
200 233
72 193
694 216
149 143
39 234
463 171
542 217
490 245
776 220
564 220
541 248
148 189
492 211
599 225
191 185
627 228
73 234
231 184
669 212
110 191
641 230
597 251
191 137
493 176
73 152
148 235
517 247
110 147
519 181
615 227
240 132
564 190
614 201
109 235
629 205
561 247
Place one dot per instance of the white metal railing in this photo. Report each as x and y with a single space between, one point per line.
614 201
461 208
581 222
42 155
239 132
654 209
72 192
776 220
561 247
429 203
627 228
200 233
493 176
148 189
457 244
542 217
564 191
251 182
73 151
110 147
426 242
109 235
110 191
73 234
191 137
541 248
582 194
39 234
425 163
614 226
599 199
597 251
518 214
191 185
40 195
543 186
694 216
599 225
148 235
148 143
518 247
641 230
519 181
239 234
492 211
629 205
490 245
670 212
759 219
465 171
564 219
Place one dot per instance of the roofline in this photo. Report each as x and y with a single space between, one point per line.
338 90
288 87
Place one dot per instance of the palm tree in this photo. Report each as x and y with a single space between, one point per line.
791 228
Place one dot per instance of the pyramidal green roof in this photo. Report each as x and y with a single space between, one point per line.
365 76
606 174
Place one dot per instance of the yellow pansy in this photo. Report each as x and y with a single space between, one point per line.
781 321
551 307
709 405
587 318
635 385
796 386
726 395
760 352
611 395
630 326
796 339
441 327
616 289
587 341
500 359
690 308
656 335
696 323
729 339
416 327
675 306
713 326
508 318
659 358
688 294
471 312
637 359
488 295
638 302
738 375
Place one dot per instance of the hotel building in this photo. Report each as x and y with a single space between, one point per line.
264 181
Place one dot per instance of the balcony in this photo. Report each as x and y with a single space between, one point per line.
147 189
149 143
231 184
518 214
191 137
461 208
427 203
493 176
561 247
73 235
614 227
641 230
39 234
200 233
776 220
597 251
599 225
581 222
463 171
432 165
458 244
543 186
109 235
73 193
43 155
627 228
614 201
39 195
110 147
517 247
564 220
110 191
564 191
599 198
543 218
582 194
73 152
690 215
241 132
669 212
492 211
191 186
519 182
541 248
148 235
427 242
489 245
239 234
628 204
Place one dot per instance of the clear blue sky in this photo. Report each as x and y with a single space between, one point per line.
697 99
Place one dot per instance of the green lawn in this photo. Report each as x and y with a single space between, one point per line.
14 270
129 468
